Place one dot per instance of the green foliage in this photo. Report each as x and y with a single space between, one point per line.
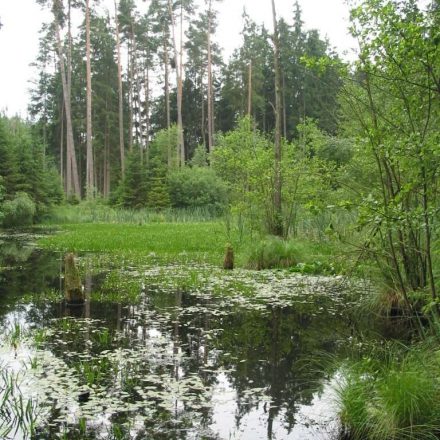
29 183
19 211
158 195
272 253
200 157
390 107
163 149
132 192
391 394
197 187
244 159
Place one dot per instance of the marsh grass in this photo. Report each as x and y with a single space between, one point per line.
392 394
18 413
175 241
306 257
99 212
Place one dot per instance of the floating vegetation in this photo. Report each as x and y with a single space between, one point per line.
162 349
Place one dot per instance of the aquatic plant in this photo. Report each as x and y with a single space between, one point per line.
18 412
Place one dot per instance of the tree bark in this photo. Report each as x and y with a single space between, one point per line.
210 109
130 96
250 89
277 226
147 112
90 179
72 183
180 139
121 96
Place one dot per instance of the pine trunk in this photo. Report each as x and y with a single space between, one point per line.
121 98
130 97
210 112
277 223
90 179
180 139
250 89
147 112
72 183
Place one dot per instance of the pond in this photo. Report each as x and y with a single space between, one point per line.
167 351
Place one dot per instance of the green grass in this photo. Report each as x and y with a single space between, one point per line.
98 212
193 241
306 257
392 394
196 242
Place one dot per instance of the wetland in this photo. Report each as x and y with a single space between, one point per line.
168 348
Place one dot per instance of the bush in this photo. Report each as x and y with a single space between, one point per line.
392 396
19 212
196 188
272 253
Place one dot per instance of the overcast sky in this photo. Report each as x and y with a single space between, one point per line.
22 19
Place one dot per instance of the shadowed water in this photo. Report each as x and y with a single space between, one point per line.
177 364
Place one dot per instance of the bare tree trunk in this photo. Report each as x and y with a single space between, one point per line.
130 97
180 94
73 186
180 139
137 81
166 64
106 171
90 179
284 109
62 145
250 89
147 112
121 98
210 112
69 88
277 226
202 103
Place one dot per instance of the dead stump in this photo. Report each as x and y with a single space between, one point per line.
228 263
73 291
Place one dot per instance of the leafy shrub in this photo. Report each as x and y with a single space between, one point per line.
19 211
197 187
272 253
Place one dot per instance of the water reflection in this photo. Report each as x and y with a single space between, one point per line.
179 364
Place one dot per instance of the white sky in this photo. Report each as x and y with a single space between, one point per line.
22 20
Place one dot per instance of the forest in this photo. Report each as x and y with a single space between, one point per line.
195 246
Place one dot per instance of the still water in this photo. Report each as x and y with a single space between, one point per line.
186 363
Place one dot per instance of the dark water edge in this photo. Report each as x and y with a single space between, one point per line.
179 364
